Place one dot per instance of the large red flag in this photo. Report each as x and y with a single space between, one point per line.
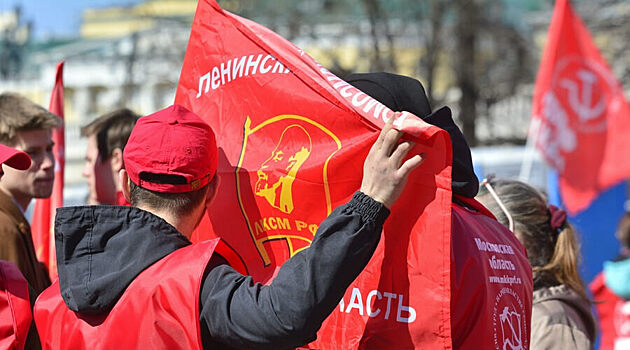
580 117
44 211
292 139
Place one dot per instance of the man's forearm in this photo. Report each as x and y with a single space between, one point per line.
289 312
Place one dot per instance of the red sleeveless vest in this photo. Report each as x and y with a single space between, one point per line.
158 310
613 313
492 286
15 308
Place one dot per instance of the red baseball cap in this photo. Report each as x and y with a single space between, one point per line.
173 141
14 158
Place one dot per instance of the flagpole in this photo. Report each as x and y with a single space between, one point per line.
530 151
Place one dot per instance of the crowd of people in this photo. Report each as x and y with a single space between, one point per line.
129 276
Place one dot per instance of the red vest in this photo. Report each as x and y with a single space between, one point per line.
15 308
492 286
158 310
614 315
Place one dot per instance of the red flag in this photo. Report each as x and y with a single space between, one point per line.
292 139
44 211
580 117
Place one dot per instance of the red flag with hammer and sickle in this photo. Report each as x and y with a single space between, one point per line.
580 116
292 139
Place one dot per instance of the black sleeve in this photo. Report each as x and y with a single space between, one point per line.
32 339
287 313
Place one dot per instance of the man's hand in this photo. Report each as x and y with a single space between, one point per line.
384 177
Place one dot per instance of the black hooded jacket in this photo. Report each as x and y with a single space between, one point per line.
101 250
401 93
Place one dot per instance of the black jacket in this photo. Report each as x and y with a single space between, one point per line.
101 249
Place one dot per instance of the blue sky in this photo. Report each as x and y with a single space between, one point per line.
54 18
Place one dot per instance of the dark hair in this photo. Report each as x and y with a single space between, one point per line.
112 131
18 113
178 203
554 255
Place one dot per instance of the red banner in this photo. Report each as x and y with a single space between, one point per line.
44 211
292 139
580 117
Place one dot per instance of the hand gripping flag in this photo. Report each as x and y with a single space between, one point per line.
292 139
580 117
44 211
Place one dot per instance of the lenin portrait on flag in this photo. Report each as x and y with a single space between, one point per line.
286 158
282 183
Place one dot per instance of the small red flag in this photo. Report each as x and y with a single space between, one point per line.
292 139
580 117
44 211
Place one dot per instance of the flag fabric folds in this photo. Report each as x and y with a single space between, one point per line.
292 139
44 211
580 117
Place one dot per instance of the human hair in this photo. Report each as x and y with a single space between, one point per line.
178 203
112 130
553 254
623 230
17 113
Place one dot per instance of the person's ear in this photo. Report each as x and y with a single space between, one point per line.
213 189
116 160
123 177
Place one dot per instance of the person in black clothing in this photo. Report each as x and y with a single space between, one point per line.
170 162
470 293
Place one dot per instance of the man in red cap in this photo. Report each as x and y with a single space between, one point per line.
130 279
16 328
27 127
13 158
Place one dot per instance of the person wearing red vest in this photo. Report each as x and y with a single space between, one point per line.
491 280
129 278
611 293
16 318
16 297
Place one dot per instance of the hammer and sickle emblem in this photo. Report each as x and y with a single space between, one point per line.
582 101
511 328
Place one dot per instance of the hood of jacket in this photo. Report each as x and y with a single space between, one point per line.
581 306
101 249
617 277
401 93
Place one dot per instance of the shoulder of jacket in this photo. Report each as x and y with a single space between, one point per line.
558 336
8 226
555 312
